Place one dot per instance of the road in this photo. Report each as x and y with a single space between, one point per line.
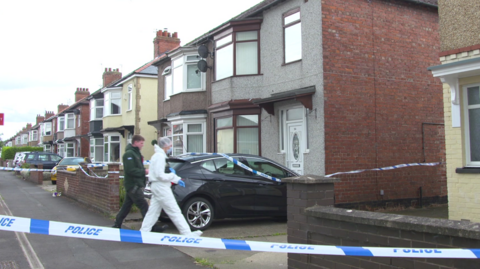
23 250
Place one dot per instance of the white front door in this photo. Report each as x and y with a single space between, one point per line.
295 146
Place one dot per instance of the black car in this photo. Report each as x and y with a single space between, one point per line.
48 159
217 188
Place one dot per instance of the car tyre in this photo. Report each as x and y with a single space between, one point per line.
198 213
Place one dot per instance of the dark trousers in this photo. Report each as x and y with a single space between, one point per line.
131 198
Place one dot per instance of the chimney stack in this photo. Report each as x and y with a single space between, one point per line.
29 126
81 93
49 114
40 118
110 76
61 107
164 41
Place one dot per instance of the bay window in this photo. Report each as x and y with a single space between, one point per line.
183 76
292 34
113 102
187 137
61 123
237 134
111 148
33 136
96 109
472 125
237 54
17 140
96 149
24 139
70 120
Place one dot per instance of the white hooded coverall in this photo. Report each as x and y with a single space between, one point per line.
162 196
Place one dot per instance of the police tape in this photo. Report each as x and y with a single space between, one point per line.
36 226
23 169
385 168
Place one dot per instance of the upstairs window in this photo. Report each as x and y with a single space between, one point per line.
168 89
17 140
96 109
130 100
47 128
61 123
24 139
237 54
113 103
183 76
70 118
292 33
33 136
472 125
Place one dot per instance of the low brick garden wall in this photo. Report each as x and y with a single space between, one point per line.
97 192
312 219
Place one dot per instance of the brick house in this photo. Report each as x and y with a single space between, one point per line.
460 73
328 86
46 131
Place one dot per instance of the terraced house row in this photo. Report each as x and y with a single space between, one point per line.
320 86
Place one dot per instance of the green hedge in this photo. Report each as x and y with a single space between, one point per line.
8 153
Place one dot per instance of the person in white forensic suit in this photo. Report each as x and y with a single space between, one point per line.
162 195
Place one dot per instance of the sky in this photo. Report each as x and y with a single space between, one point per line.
50 48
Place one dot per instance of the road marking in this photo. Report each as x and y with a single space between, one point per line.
27 248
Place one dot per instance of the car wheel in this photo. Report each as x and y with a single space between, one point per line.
199 213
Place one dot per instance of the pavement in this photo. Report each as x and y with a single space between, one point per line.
258 229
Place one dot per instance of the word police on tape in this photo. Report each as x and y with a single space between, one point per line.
26 225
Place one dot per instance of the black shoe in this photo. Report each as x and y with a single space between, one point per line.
159 229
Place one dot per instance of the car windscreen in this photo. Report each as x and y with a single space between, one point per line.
74 161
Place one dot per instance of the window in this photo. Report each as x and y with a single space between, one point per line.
17 140
238 134
472 125
61 123
183 76
266 167
111 148
295 114
130 89
292 33
33 136
187 137
70 149
61 150
113 103
96 109
79 119
78 148
168 83
24 139
237 54
70 119
47 148
96 149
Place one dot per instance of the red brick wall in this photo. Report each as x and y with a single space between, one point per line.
36 176
97 192
378 93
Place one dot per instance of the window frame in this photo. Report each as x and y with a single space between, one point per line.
466 108
235 127
107 140
94 108
285 27
69 146
180 65
107 102
61 123
233 42
130 97
94 147
69 119
184 135
24 140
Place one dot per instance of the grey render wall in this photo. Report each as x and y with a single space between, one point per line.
278 78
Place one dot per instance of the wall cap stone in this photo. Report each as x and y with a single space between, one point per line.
465 229
310 179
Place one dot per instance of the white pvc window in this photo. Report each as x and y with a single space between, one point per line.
61 150
111 148
96 149
61 123
24 138
130 97
70 149
96 109
292 37
472 125
113 103
70 118
47 128
187 137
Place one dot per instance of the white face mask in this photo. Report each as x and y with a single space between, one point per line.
169 151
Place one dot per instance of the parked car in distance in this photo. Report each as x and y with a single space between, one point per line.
216 188
18 158
47 159
69 164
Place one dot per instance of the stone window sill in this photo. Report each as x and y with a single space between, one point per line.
468 170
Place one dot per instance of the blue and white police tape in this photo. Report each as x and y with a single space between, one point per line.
235 161
23 169
35 226
106 164
386 168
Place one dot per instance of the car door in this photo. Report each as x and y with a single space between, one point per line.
270 196
233 189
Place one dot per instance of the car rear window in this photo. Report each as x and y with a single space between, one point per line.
175 164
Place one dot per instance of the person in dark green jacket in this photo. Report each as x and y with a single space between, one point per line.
134 180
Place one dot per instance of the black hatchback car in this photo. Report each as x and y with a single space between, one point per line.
217 188
47 159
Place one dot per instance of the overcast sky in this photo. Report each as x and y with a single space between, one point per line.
51 47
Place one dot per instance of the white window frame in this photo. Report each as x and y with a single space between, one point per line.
18 140
168 82
185 133
94 147
179 75
469 162
282 127
69 121
130 97
24 139
290 21
107 141
47 128
79 120
95 107
61 123
107 105
47 148
69 145
61 150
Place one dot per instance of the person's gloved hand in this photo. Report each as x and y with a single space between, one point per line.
181 183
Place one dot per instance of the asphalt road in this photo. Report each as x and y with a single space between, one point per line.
25 199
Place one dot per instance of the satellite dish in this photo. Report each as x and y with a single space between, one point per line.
202 66
203 51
